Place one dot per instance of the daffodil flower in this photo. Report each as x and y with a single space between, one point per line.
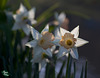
23 19
68 42
60 18
41 45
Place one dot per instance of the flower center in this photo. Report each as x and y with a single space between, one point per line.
69 42
45 41
42 41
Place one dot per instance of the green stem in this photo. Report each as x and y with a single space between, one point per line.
68 70
36 71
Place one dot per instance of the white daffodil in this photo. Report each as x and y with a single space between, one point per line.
68 42
41 45
60 18
23 19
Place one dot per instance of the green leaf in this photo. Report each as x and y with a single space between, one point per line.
47 14
81 76
3 20
61 70
29 66
47 71
50 71
51 28
3 4
36 71
68 69
27 4
78 14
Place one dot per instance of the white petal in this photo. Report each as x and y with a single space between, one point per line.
38 50
31 13
80 42
14 16
22 9
56 42
46 28
53 48
40 67
36 35
57 34
25 14
37 54
61 52
16 26
42 63
36 59
63 31
61 17
67 54
74 53
26 29
48 52
31 44
17 18
56 51
33 21
75 31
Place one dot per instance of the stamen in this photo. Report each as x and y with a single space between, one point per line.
68 42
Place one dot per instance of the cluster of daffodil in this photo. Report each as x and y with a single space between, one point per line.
45 41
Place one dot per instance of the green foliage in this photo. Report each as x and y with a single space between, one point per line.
27 4
3 4
81 76
61 70
68 70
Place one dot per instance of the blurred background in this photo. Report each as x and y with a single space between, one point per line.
85 13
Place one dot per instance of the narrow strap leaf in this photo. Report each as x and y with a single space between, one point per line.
36 71
68 70
81 76
27 3
61 70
